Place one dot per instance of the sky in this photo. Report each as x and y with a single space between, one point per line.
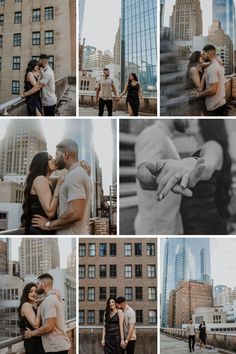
101 22
223 260
64 249
54 130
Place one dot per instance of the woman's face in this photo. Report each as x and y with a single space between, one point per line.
131 77
32 296
36 68
51 164
112 304
193 127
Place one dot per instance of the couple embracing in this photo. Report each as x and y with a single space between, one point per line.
42 321
64 208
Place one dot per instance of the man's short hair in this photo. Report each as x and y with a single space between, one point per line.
68 145
45 276
106 69
44 56
120 300
208 48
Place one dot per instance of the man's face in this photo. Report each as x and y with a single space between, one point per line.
59 160
191 322
40 64
180 125
40 287
205 56
106 72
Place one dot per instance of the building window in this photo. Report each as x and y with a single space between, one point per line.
102 249
102 293
138 249
92 250
0 63
1 20
82 250
138 270
103 271
35 38
139 316
152 316
113 249
81 316
128 271
101 316
151 271
15 88
81 294
2 2
16 63
18 17
18 1
113 272
128 249
16 39
91 271
113 292
49 37
81 272
91 316
152 293
36 15
91 294
138 293
48 13
150 249
0 40
128 293
51 61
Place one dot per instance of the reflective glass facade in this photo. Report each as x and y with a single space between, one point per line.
224 11
184 259
139 43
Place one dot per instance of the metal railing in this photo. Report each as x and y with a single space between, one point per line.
19 231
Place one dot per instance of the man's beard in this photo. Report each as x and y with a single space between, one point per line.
180 125
60 165
40 291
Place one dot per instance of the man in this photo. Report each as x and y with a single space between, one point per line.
54 337
191 335
129 325
74 195
47 85
104 93
214 77
153 144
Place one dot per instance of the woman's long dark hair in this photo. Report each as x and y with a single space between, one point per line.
108 310
24 298
30 67
38 167
134 76
214 129
193 61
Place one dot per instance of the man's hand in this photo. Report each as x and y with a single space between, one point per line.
146 176
123 344
28 333
23 95
39 221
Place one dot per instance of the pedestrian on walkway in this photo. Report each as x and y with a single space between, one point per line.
202 335
104 93
191 335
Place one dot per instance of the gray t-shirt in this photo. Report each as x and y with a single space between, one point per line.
215 74
49 97
191 329
130 318
106 88
77 185
56 340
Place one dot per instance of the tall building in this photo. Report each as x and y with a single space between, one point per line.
224 12
29 28
224 295
22 140
162 10
139 43
121 267
4 259
117 46
186 20
96 61
183 260
38 255
185 299
81 16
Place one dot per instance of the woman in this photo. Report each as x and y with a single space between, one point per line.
206 212
29 317
132 88
32 76
40 199
202 335
113 331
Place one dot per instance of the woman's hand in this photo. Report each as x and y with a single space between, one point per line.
86 166
60 180
122 344
103 342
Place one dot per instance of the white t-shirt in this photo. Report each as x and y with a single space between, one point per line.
215 74
49 97
106 88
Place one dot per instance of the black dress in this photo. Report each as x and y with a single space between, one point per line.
33 101
202 334
133 98
112 337
200 215
32 345
36 209
196 104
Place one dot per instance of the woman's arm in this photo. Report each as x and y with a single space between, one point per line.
103 335
121 324
195 77
124 92
212 153
48 201
28 312
31 79
140 92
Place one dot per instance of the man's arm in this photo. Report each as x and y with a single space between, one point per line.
34 89
114 90
211 91
98 90
130 332
49 326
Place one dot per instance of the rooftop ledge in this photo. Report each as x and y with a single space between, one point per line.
65 91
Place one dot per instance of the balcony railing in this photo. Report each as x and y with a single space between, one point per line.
15 345
19 231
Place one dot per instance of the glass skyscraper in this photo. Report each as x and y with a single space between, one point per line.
224 11
81 15
184 259
139 43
